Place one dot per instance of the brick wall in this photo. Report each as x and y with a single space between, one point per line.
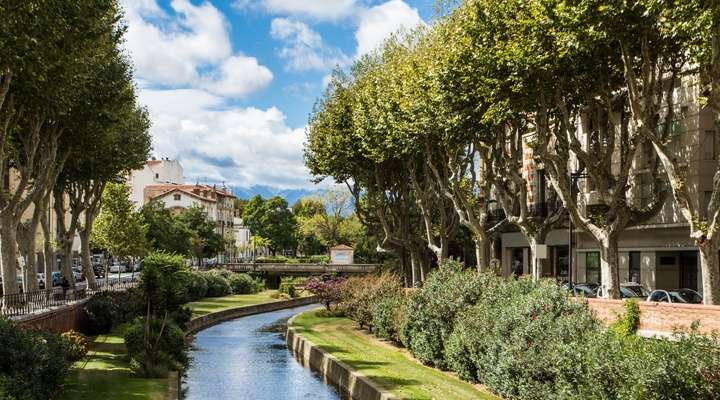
661 317
62 319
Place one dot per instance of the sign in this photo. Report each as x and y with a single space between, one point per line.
540 251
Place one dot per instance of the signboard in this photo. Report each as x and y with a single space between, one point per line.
540 251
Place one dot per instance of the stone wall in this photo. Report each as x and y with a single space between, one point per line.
661 317
332 370
61 319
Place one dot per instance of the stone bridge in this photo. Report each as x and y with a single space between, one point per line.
301 269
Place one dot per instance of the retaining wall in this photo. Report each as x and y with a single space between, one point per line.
334 371
62 319
661 317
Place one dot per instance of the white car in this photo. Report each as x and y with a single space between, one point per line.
116 268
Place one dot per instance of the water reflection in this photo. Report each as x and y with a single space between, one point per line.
247 359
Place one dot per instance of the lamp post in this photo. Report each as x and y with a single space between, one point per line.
574 177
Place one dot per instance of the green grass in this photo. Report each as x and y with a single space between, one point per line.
105 374
214 304
390 367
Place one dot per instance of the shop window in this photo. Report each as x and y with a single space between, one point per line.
516 261
634 260
592 267
708 145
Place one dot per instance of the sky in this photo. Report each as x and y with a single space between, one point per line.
230 84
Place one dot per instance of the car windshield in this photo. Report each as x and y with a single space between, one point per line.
686 296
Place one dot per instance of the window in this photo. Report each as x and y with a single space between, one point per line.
646 188
592 267
708 145
634 260
667 260
176 197
157 176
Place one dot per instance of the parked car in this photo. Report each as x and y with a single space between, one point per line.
588 290
629 290
77 273
99 270
682 296
117 268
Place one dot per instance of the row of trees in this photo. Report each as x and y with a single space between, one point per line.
310 227
432 129
69 124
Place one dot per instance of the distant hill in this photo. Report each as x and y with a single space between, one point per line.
291 195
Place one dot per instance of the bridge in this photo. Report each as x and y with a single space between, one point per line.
301 269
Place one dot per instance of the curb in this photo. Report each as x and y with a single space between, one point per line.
339 374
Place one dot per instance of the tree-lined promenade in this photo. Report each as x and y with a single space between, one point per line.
431 129
69 124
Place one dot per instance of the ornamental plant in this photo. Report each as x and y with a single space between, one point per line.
77 345
327 287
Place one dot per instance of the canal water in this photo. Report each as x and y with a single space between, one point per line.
247 358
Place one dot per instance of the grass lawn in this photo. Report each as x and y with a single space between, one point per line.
390 367
105 374
214 304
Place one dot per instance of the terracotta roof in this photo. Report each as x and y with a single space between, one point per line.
341 247
163 189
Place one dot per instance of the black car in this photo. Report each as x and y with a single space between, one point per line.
588 290
99 270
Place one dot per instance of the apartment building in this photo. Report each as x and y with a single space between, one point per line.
658 253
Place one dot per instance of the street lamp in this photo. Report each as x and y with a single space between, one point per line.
574 177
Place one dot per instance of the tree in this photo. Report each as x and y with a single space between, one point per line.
120 229
259 242
166 232
205 241
323 218
307 207
52 53
271 219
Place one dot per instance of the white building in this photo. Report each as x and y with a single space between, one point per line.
163 171
242 239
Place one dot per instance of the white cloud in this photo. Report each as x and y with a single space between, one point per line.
304 48
239 76
215 142
190 48
377 23
317 9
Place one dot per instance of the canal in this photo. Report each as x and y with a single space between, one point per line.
247 358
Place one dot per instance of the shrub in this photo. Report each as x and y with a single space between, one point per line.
100 310
128 305
288 288
356 296
327 287
373 301
164 282
162 352
271 260
197 286
629 322
521 338
243 284
182 316
76 343
33 364
431 309
217 285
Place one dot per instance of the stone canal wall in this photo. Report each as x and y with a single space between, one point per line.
200 323
334 371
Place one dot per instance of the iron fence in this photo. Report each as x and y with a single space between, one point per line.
19 304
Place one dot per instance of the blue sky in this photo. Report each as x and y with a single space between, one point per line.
229 84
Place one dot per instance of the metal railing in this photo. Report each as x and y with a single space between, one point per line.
19 304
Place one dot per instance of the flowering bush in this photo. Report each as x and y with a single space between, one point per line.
328 287
77 345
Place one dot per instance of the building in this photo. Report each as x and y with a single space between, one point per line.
242 240
341 255
658 253
154 172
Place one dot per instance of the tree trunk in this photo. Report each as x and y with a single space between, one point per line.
48 253
609 268
8 243
29 271
87 268
414 268
481 254
67 271
709 270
